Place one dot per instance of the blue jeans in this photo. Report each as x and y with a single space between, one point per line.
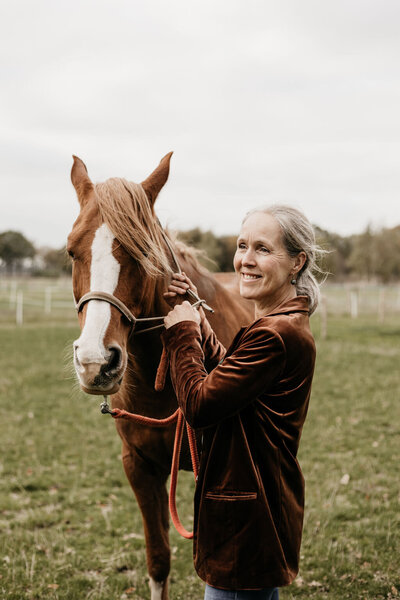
212 593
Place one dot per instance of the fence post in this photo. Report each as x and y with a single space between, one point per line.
19 315
47 301
354 305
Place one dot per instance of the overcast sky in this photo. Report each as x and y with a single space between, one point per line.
293 101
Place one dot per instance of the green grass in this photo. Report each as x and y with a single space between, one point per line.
351 541
69 524
70 527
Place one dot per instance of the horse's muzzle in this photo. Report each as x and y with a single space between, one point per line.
102 378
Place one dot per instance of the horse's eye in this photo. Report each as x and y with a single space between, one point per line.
71 254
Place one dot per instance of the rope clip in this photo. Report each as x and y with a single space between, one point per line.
105 407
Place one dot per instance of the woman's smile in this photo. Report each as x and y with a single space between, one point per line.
250 276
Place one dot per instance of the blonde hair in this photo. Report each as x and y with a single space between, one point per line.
298 236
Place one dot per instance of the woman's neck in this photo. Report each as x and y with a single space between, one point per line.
268 305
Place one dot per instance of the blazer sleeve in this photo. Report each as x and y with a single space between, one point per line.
212 348
206 399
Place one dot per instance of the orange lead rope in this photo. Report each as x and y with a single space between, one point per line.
177 416
175 468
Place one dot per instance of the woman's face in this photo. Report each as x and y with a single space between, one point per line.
262 262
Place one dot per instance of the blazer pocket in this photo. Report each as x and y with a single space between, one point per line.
230 496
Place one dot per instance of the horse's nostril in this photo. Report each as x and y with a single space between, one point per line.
114 360
75 346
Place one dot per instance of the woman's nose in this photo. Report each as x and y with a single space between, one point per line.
248 258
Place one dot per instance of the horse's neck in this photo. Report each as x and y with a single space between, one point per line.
145 347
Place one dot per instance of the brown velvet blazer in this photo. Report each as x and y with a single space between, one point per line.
249 497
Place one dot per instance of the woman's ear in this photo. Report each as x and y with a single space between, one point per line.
299 261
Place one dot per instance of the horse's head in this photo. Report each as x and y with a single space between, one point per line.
116 248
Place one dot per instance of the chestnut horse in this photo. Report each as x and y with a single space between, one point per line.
119 249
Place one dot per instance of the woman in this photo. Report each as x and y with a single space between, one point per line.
251 407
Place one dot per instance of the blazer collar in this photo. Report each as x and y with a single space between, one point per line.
297 304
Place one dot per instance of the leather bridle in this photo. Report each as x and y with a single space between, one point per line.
114 301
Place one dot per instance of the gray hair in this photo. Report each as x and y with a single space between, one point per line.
298 236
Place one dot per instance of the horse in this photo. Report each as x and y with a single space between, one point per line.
123 257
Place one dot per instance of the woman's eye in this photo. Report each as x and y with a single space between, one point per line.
263 249
241 246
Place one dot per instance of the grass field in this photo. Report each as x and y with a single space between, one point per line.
69 525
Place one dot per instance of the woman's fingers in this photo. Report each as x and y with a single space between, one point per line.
177 286
173 291
190 283
182 280
181 312
180 284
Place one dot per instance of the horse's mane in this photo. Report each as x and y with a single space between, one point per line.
124 207
189 254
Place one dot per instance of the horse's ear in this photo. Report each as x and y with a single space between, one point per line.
153 184
81 180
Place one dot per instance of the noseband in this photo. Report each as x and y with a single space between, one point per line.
114 301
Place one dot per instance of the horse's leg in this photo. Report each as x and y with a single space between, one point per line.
148 484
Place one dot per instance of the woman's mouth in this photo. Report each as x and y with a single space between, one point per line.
250 277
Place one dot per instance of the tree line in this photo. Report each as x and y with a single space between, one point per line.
18 254
370 255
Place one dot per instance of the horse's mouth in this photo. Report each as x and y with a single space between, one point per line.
96 391
101 383
100 388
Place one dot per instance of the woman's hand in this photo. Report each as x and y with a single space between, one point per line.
180 284
182 312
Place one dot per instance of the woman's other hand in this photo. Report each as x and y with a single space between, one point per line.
182 312
180 284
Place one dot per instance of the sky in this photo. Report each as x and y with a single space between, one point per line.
262 102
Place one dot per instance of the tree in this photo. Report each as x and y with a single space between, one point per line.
206 241
14 247
338 249
228 249
361 259
386 261
218 251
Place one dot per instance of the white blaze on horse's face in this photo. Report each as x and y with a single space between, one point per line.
91 357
